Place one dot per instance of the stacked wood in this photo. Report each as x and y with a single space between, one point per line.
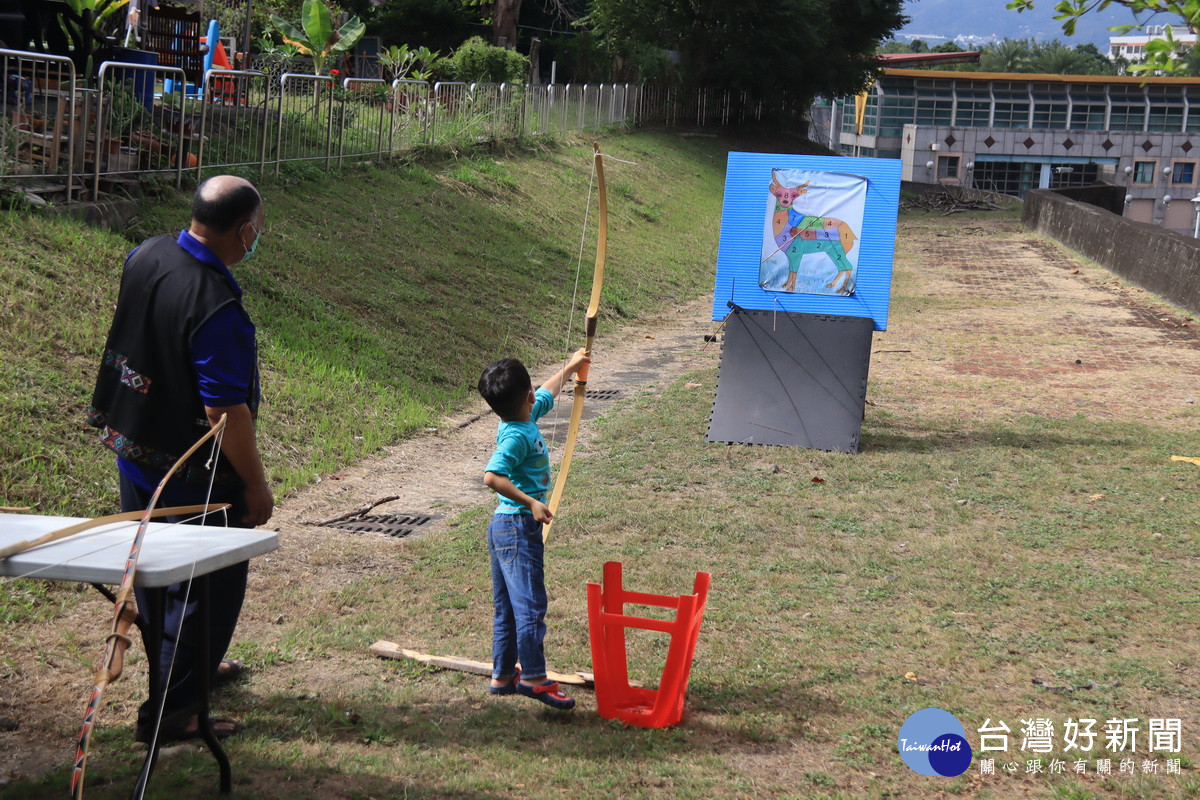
949 200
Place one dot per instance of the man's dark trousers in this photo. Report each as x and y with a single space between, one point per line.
227 589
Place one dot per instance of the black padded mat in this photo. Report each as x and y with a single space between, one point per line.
792 379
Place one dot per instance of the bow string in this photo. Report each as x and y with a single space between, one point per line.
593 312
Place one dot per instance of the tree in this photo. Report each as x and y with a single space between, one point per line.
506 13
1058 59
1099 64
767 48
1161 54
1010 55
439 24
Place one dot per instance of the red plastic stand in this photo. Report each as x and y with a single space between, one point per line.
615 698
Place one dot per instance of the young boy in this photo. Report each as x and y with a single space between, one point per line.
519 471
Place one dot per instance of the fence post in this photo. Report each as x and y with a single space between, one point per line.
342 125
329 126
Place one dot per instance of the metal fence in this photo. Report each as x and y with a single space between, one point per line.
143 123
40 130
143 119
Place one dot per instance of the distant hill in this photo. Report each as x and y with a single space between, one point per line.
989 19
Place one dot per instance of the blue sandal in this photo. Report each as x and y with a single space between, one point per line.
508 688
548 693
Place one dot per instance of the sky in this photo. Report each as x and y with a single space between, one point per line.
990 18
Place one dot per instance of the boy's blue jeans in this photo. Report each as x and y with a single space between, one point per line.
519 595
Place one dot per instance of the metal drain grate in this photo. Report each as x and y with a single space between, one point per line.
602 394
397 525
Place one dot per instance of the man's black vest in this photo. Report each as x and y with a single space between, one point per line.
146 401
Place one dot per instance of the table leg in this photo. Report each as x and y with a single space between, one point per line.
152 635
204 721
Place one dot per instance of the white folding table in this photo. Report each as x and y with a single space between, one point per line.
170 553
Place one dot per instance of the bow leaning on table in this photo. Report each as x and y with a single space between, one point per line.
593 311
124 615
99 522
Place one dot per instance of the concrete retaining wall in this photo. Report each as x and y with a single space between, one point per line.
1159 260
1103 195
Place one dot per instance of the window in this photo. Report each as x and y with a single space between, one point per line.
947 168
1088 107
1050 107
1012 178
1128 109
1143 171
1183 173
1193 101
1166 109
1073 175
895 111
1011 113
931 111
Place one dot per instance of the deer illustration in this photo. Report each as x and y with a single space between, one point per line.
798 235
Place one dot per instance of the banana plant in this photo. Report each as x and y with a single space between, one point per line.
89 26
316 37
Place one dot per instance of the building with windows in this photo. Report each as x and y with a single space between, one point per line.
1133 47
1014 132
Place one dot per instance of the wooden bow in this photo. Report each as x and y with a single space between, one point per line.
87 525
124 615
581 376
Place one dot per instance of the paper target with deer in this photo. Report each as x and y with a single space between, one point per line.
812 224
811 234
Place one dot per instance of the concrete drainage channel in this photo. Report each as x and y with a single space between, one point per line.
362 521
397 525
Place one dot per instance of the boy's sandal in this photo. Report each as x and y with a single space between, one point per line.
508 688
548 693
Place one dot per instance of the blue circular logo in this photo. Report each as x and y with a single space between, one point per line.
933 742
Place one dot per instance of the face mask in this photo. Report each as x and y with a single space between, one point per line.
253 246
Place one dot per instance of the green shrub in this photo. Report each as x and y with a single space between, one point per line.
478 62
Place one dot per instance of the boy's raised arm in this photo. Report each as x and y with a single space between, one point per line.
555 384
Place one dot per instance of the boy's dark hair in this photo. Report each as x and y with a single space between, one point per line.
505 385
224 211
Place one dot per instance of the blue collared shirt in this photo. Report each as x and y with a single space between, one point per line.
522 457
223 351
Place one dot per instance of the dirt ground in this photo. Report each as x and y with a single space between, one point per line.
1077 340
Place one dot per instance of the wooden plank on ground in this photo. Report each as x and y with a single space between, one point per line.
395 651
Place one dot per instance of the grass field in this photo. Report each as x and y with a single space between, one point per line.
1012 543
367 291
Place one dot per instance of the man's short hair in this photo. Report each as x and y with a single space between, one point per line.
505 385
223 211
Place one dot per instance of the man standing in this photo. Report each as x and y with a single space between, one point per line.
181 352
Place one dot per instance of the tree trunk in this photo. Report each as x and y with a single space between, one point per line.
504 23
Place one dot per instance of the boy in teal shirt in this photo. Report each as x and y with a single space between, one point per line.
519 472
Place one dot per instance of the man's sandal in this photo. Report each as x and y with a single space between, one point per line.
168 732
233 670
548 693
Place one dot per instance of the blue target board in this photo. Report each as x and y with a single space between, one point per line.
810 234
